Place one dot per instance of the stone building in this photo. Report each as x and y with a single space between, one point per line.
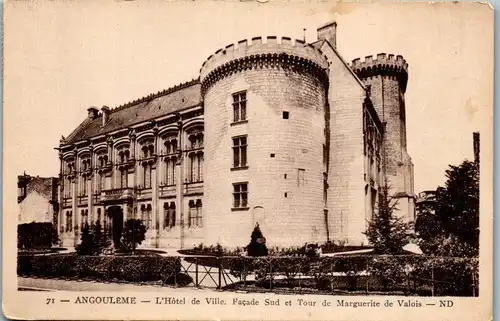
37 199
274 131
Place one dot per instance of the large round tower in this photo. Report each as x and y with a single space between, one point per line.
264 106
386 76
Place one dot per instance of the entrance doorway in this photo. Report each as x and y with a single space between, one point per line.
115 213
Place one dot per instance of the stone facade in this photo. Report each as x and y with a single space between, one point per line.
274 131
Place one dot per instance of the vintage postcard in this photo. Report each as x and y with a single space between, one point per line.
247 160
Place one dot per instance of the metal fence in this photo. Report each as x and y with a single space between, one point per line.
346 274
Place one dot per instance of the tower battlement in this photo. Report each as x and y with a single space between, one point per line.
269 50
382 64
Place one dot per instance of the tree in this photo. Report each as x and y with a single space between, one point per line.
88 245
36 235
386 232
134 232
257 246
450 225
102 239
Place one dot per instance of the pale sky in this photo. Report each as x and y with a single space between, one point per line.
63 57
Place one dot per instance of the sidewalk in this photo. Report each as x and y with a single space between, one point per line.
64 285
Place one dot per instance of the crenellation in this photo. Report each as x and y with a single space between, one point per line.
272 40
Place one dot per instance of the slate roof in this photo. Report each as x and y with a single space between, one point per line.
152 106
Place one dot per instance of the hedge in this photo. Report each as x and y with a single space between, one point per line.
104 268
410 274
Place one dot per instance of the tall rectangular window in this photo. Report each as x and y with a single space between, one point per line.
301 177
239 152
240 106
240 195
195 213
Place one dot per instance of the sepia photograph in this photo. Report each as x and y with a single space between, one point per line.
228 156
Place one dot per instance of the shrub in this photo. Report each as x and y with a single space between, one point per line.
104 268
88 246
36 235
257 246
134 232
390 270
102 238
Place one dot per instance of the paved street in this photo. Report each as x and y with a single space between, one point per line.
63 285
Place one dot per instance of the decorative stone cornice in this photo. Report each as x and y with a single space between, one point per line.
265 60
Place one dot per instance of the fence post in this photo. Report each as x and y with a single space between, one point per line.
175 271
367 277
473 283
244 272
196 272
270 275
219 286
432 274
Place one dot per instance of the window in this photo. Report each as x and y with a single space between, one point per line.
239 152
147 148
170 171
286 115
195 140
146 175
123 155
99 215
146 216
195 213
170 145
85 219
100 183
240 106
169 219
273 155
301 177
83 185
195 167
240 195
102 160
69 221
123 178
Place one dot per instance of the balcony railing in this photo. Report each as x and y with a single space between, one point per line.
117 194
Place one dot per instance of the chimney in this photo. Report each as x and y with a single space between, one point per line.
105 114
328 32
93 112
475 136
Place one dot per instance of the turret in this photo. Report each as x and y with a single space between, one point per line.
386 77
